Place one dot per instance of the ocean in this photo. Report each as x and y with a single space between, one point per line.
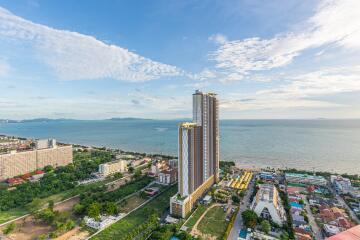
320 145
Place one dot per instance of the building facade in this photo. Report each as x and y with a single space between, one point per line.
167 177
110 168
267 204
305 179
198 154
17 163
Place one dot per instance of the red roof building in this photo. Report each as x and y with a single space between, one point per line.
350 234
14 181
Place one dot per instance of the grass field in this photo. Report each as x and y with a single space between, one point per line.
12 214
214 222
195 216
120 229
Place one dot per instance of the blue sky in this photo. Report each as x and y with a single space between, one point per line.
101 59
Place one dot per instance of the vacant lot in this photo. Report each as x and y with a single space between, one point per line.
122 228
195 216
131 203
214 223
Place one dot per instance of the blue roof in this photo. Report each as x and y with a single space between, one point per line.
295 204
243 233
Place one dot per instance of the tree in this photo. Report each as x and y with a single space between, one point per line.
111 208
9 228
301 201
242 193
51 204
284 236
118 175
79 209
249 218
46 215
265 226
34 205
131 169
235 199
94 210
137 173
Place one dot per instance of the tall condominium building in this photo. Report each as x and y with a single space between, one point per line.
198 155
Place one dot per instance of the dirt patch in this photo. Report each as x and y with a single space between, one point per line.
75 234
28 229
66 206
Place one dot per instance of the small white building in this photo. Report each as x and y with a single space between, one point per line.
330 230
267 204
110 168
103 222
207 199
167 177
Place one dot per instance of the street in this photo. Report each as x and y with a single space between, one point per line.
313 224
238 224
342 202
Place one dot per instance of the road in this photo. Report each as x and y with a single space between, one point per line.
313 224
238 224
342 202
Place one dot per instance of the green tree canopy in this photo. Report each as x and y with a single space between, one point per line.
265 226
94 210
249 218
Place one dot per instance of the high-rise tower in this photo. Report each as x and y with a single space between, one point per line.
198 153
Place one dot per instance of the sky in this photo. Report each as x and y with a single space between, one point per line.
90 59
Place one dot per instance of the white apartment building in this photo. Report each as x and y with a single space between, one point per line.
267 204
110 168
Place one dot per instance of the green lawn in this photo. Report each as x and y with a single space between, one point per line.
120 229
214 222
12 214
195 216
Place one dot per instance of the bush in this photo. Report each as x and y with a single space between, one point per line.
265 226
9 228
230 225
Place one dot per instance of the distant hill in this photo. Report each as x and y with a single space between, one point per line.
34 120
128 118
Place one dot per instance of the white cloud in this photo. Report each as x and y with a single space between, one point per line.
335 22
326 81
301 91
218 38
205 74
77 56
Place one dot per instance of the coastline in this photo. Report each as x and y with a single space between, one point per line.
238 163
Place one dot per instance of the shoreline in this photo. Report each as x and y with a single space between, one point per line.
243 165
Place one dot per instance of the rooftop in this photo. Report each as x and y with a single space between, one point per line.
350 234
188 124
304 176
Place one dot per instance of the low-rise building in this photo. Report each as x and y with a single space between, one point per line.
167 177
305 179
135 163
110 168
341 184
103 222
330 230
267 204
